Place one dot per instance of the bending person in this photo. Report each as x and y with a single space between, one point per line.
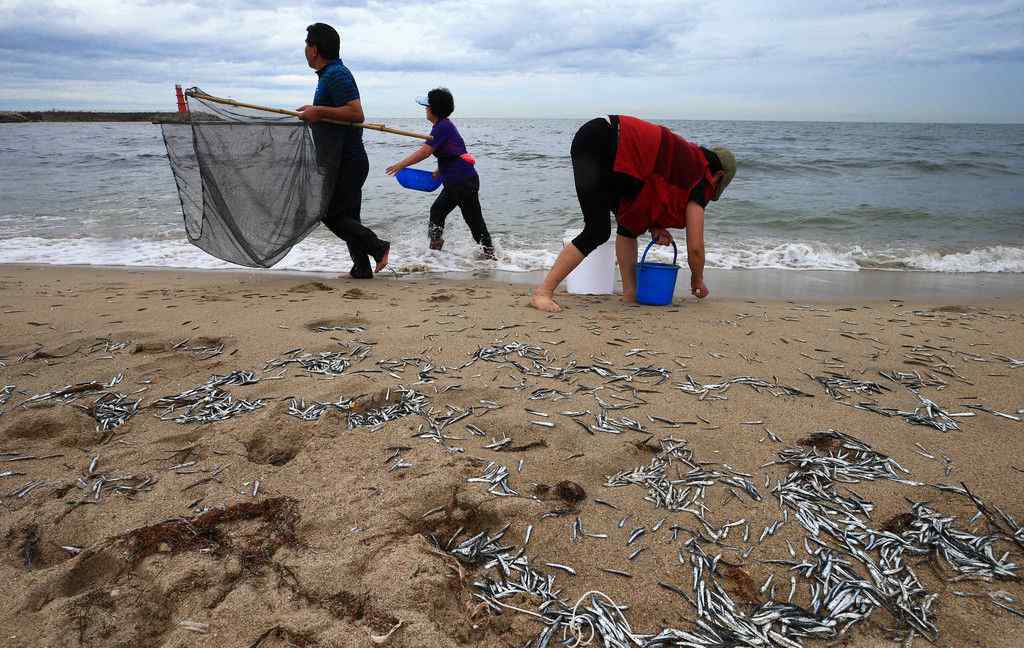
457 170
337 99
652 180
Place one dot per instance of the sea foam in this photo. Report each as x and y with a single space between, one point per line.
410 254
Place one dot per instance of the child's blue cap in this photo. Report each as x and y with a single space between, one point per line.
422 101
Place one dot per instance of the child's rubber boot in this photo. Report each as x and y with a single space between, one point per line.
361 272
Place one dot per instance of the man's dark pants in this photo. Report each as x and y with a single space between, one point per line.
343 217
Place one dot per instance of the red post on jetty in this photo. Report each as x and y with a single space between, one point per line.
182 108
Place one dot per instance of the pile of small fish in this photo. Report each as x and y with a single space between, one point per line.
928 413
200 351
688 491
208 403
410 403
716 391
721 624
810 489
507 573
74 392
604 369
111 411
299 409
510 574
850 462
496 475
913 380
968 554
922 355
325 363
424 367
545 393
541 364
836 384
502 354
998 519
440 421
93 482
811 492
612 425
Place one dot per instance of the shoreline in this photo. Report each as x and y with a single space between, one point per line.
824 285
772 284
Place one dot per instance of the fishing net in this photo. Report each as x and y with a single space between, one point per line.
252 184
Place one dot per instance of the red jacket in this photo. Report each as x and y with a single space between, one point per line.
670 168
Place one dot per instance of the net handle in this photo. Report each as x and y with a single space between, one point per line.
199 94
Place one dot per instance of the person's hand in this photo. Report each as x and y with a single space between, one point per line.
309 114
699 290
394 168
661 236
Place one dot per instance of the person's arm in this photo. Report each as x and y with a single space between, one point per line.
695 248
351 112
420 154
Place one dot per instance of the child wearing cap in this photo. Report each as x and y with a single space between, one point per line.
456 167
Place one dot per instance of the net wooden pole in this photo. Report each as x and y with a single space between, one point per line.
199 94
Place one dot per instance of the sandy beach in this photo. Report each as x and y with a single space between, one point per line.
295 524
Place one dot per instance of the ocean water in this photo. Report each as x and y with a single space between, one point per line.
807 196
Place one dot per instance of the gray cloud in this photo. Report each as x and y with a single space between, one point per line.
565 55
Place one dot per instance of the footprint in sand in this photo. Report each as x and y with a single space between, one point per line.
310 287
320 325
355 293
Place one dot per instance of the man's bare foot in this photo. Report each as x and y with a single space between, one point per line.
543 302
383 262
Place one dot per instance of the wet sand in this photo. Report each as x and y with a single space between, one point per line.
826 286
334 544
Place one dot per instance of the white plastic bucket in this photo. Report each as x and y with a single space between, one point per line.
596 275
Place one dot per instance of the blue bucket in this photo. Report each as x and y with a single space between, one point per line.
417 179
656 282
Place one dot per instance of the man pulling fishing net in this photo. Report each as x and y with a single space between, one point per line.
337 99
255 180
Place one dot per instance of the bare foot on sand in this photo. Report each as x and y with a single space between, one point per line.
542 301
383 263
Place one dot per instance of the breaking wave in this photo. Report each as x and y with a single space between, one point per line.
323 253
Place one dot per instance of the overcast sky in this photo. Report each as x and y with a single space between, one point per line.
922 60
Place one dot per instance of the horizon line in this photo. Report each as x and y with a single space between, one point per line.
587 117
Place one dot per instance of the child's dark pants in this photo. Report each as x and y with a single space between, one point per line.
465 196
